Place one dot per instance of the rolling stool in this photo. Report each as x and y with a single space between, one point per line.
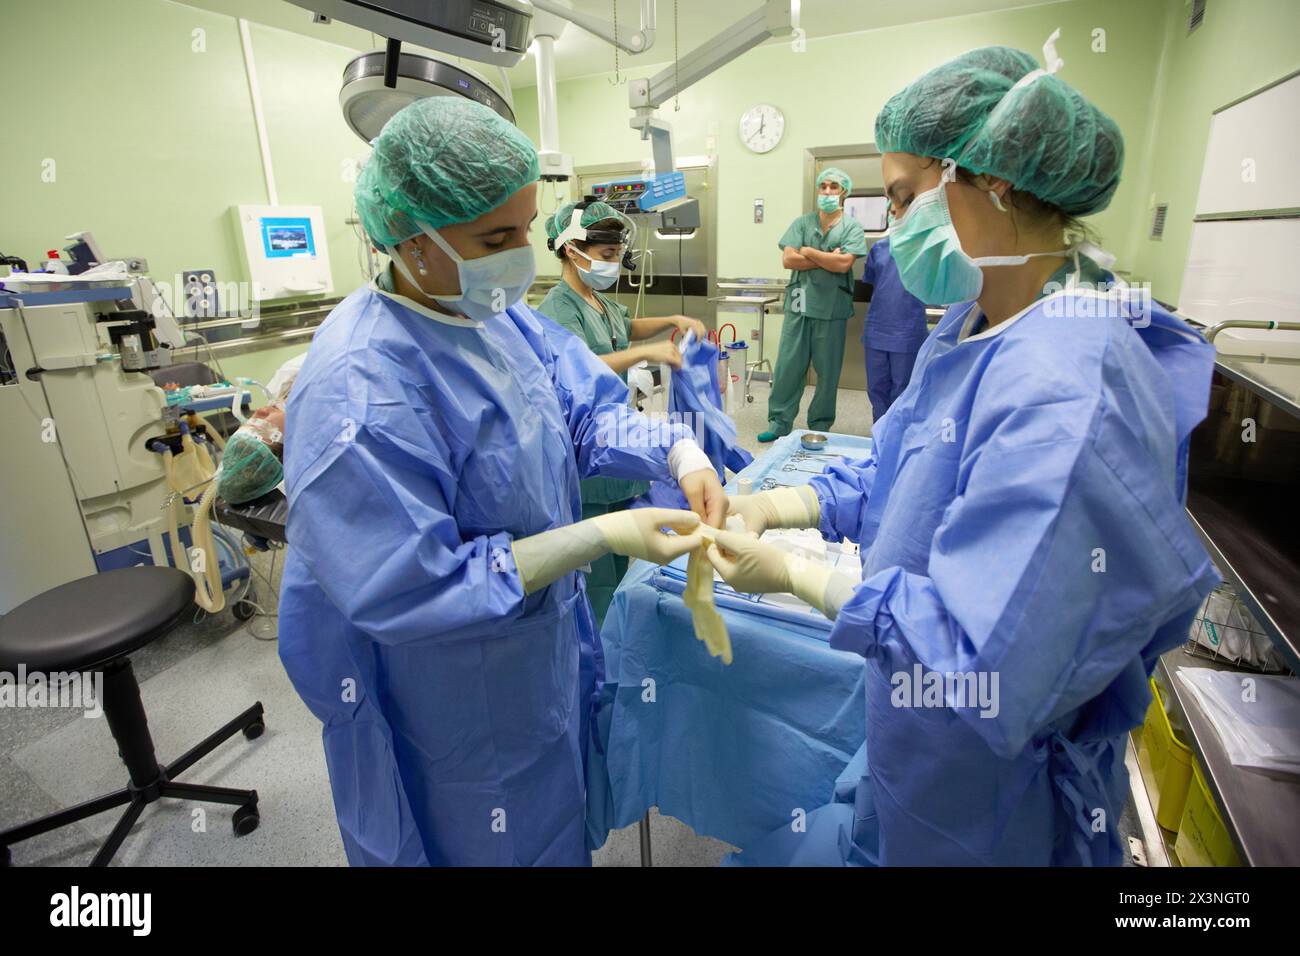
91 625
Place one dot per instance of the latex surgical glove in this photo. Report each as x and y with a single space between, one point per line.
638 532
749 565
699 599
705 496
752 566
778 508
544 558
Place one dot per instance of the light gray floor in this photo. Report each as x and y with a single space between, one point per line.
852 415
193 681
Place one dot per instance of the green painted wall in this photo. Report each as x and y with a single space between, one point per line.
830 95
141 130
128 132
1241 46
157 140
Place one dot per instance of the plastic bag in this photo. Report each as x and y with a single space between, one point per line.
1224 627
1257 718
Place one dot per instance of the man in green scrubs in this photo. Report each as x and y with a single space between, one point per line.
820 249
591 246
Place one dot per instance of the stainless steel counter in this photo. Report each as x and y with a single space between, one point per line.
1275 378
1244 518
277 326
1262 813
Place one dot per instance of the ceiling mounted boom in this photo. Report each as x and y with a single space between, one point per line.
488 31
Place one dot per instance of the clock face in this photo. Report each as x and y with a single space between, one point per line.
761 128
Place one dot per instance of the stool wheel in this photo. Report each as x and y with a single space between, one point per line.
245 820
6 858
255 730
749 398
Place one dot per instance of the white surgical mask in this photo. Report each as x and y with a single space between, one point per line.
488 285
601 275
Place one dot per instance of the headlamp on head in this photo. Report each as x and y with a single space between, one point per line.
601 237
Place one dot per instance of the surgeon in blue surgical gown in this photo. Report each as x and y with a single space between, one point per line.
433 615
1026 554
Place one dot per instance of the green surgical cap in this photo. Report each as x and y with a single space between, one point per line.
249 469
594 213
1044 138
439 161
836 175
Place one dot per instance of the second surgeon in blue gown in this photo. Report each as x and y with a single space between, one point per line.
1026 553
894 330
439 437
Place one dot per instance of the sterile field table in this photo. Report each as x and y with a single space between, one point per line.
732 750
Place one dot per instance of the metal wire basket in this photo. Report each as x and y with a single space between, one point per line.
1224 630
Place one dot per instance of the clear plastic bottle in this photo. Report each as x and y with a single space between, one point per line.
54 263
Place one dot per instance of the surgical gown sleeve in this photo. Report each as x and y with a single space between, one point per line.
1064 551
869 266
371 517
842 493
610 438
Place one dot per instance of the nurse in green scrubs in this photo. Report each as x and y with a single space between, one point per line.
820 249
591 239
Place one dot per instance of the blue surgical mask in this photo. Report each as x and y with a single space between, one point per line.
828 203
488 285
601 275
931 262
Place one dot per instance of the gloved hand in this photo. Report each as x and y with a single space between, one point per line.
778 508
749 565
752 566
547 557
635 532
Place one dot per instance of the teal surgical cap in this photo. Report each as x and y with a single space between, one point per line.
1043 137
594 212
836 175
441 160
249 469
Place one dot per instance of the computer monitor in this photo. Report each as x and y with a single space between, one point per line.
283 237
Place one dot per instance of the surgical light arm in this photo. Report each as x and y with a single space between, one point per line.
646 95
638 42
770 20
773 18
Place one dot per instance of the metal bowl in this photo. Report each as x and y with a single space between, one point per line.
812 441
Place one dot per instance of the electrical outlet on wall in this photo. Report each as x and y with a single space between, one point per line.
758 210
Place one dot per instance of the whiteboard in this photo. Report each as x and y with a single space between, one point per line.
1244 269
1257 137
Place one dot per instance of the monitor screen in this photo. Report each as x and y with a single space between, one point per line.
283 237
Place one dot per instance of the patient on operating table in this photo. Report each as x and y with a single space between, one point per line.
253 461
